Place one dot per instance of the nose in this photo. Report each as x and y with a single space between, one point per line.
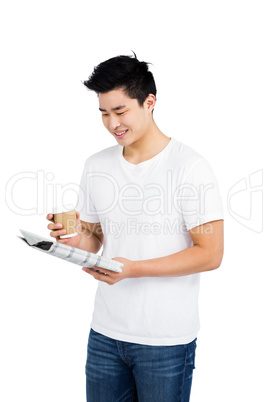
114 122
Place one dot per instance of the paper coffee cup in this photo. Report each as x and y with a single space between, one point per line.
67 217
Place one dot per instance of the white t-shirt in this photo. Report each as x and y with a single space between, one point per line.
145 211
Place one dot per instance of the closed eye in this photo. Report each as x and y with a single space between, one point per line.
118 114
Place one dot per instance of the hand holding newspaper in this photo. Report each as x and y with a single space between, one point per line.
71 254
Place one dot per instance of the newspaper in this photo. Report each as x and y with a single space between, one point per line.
71 254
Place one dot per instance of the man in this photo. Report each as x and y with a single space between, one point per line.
152 203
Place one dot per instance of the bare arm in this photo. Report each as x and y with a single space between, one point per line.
91 237
205 255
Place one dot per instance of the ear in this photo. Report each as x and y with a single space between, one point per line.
149 103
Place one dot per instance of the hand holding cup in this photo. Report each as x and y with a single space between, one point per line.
64 226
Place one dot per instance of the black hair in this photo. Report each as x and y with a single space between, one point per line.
125 72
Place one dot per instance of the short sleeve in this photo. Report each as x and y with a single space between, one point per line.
85 205
199 196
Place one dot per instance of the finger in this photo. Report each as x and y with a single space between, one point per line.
57 233
90 270
106 271
50 217
87 270
54 226
62 241
97 275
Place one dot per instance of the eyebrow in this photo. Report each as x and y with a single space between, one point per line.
114 108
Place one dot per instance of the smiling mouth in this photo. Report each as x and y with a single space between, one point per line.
120 133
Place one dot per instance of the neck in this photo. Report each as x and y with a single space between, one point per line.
146 147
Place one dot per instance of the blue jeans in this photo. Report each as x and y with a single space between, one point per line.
127 372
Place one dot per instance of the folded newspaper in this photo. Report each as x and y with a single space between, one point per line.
71 254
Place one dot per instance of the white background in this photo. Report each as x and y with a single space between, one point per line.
209 59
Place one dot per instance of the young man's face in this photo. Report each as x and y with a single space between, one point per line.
123 117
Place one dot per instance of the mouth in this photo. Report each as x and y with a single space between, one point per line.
120 134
